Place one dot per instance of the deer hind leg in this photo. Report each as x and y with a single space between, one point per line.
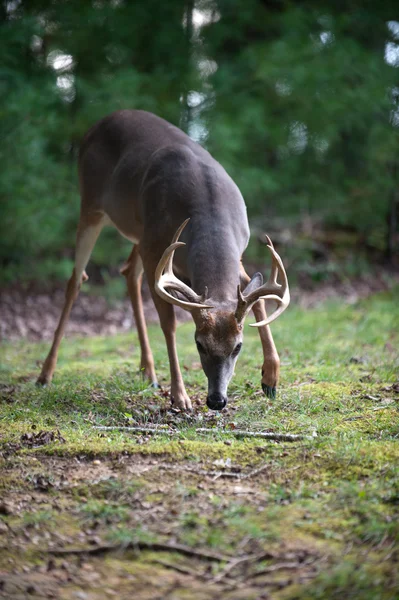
133 271
85 240
271 359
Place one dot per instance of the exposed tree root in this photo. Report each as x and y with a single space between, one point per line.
155 547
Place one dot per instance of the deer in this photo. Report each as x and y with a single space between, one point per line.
188 224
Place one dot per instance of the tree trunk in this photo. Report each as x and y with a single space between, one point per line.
185 118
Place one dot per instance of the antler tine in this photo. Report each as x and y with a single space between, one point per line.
179 230
241 309
274 269
271 290
283 289
269 242
165 265
204 296
165 278
168 265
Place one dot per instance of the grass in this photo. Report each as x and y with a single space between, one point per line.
334 498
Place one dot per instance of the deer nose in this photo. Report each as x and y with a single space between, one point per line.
216 401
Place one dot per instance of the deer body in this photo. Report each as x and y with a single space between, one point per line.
149 177
145 177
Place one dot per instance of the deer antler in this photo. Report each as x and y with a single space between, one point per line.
165 278
271 290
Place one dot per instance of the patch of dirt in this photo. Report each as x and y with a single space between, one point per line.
349 291
47 514
34 315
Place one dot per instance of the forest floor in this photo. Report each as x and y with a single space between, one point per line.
87 514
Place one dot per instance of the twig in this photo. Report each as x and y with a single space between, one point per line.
277 567
227 569
239 561
222 474
178 568
136 429
256 471
156 546
239 476
287 437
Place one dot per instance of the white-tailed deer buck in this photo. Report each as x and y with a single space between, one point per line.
157 186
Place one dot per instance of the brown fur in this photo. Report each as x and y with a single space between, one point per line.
219 328
145 177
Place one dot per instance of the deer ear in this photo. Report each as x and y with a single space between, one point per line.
256 281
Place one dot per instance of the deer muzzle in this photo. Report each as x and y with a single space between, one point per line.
216 401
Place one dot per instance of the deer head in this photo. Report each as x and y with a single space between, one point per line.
219 327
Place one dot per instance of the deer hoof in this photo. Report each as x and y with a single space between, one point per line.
269 391
43 381
181 403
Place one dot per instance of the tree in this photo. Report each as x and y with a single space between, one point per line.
306 115
299 101
64 66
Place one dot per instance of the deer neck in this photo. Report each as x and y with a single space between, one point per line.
214 266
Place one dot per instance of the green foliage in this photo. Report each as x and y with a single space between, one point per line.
299 101
304 117
57 78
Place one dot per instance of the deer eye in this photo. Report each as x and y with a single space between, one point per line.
237 349
200 347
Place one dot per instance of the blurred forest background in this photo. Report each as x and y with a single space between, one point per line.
298 100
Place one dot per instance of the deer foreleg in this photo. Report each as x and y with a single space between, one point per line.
179 396
271 359
133 271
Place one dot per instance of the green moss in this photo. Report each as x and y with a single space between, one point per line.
347 578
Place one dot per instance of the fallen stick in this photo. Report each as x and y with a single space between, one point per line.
156 547
277 567
287 437
256 471
136 429
239 476
224 572
216 474
239 561
178 568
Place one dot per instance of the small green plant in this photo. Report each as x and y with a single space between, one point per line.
94 510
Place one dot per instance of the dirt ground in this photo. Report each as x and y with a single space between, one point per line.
129 572
34 314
